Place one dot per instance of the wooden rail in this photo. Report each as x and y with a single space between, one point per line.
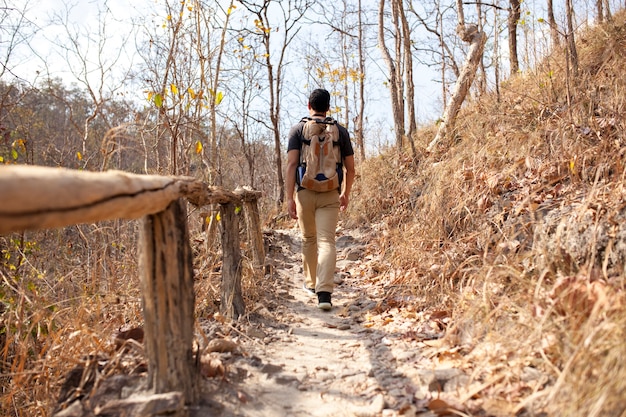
33 197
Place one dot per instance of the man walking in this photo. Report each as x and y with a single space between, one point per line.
317 212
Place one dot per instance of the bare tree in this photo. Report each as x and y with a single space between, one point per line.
346 80
394 82
92 60
291 12
408 72
210 65
603 11
447 60
477 39
16 31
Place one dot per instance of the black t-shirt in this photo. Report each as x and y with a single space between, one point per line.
295 139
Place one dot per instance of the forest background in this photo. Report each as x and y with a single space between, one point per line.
195 88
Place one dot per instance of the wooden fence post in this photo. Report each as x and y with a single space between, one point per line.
42 197
232 304
168 302
253 223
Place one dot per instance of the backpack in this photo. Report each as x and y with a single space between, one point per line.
320 156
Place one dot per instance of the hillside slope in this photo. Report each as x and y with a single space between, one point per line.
516 227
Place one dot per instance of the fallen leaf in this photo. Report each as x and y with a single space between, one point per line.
121 337
221 346
439 407
211 367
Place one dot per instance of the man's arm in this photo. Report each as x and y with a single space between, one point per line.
293 159
344 198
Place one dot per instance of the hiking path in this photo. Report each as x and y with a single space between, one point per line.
362 358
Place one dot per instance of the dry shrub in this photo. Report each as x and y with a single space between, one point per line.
59 308
67 293
515 224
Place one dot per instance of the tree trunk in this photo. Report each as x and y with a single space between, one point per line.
514 16
399 87
461 88
168 302
394 83
496 55
608 16
482 76
554 32
571 42
360 115
408 76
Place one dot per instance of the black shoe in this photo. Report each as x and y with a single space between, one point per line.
311 291
323 300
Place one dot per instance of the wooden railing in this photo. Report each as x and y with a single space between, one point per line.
40 197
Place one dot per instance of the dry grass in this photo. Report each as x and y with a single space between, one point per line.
515 226
66 294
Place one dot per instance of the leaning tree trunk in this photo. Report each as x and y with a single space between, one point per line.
463 83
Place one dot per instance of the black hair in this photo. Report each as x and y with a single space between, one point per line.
319 100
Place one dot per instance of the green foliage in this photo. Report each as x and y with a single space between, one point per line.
15 252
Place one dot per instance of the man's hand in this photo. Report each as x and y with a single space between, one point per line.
291 208
344 200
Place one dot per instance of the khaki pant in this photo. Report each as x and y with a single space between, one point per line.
318 214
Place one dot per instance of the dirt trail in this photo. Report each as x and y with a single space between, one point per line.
296 360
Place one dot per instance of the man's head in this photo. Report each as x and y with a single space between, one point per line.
319 100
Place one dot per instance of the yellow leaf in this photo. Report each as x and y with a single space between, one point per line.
219 98
218 217
79 156
158 100
198 147
191 93
572 165
174 89
150 95
169 17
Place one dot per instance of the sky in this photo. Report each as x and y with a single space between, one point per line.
80 17
58 20
57 58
